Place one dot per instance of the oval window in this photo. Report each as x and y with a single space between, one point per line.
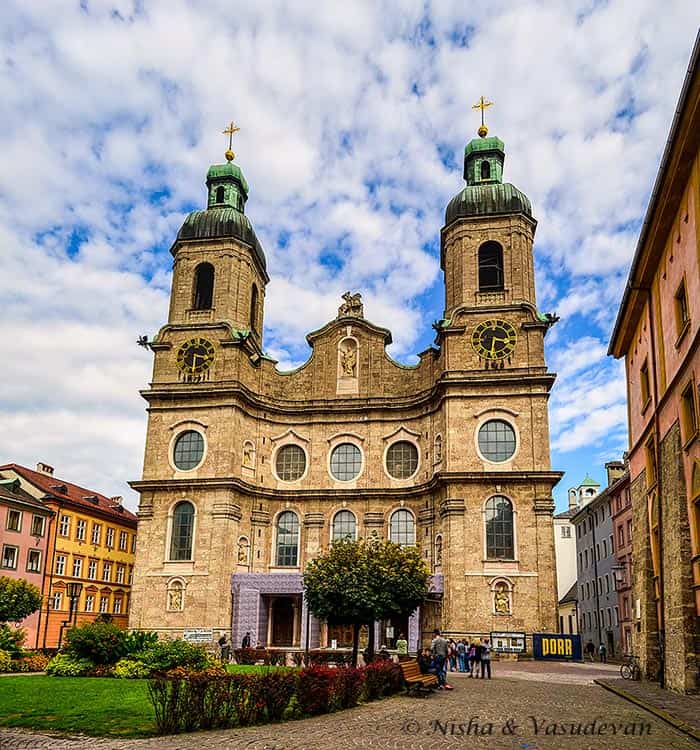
346 461
496 440
290 464
189 450
402 459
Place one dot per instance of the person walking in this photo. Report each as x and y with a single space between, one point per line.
603 653
462 655
225 648
438 648
452 655
590 650
475 658
485 658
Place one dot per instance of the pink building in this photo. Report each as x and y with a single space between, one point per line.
24 531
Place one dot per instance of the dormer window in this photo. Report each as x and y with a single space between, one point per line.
485 170
220 194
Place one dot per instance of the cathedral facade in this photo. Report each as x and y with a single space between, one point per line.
250 472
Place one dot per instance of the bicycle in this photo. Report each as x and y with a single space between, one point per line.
631 670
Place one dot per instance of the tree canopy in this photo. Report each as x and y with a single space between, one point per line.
358 582
18 599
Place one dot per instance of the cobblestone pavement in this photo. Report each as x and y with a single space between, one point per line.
504 713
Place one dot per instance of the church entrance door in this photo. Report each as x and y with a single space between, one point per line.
282 622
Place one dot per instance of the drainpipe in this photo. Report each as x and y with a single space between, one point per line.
595 583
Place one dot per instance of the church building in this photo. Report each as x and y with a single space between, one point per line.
250 472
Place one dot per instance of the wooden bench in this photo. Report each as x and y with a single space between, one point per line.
415 680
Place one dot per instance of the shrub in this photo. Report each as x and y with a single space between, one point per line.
275 658
30 662
248 698
382 678
277 688
65 665
131 669
246 655
11 639
139 640
315 689
165 655
100 642
5 661
350 682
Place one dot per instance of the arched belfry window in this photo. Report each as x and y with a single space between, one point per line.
203 286
500 544
182 531
490 267
253 308
220 194
485 170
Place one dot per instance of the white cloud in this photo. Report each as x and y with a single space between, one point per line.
106 107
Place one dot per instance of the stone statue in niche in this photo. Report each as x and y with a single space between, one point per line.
352 306
438 449
248 455
175 598
243 551
438 551
348 358
501 599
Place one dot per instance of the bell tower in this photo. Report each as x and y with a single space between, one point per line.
219 271
486 249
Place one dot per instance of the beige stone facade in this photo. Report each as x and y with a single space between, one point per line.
348 393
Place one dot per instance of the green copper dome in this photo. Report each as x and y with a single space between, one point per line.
225 213
485 192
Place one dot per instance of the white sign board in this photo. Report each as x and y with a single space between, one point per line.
199 635
508 643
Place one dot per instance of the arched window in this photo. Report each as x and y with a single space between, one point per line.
181 532
402 528
220 194
344 525
287 554
499 528
203 286
253 308
490 267
485 170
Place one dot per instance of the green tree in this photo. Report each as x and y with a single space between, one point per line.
18 599
358 582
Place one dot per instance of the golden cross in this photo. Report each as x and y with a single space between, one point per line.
230 131
482 104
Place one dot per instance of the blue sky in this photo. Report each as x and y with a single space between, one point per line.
353 122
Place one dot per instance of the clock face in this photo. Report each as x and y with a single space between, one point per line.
494 339
194 358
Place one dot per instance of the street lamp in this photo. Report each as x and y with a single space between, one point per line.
73 590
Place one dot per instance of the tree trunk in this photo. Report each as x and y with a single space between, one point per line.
370 643
355 642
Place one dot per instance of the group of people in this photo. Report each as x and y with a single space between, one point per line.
463 656
602 652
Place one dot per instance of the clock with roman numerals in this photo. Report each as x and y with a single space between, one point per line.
494 339
194 358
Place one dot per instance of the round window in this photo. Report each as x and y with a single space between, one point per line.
496 440
291 463
346 462
189 450
402 459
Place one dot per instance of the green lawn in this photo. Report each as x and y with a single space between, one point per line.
97 706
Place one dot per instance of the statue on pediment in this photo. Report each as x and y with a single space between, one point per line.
352 306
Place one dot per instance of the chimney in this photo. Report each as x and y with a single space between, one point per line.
43 468
573 499
615 470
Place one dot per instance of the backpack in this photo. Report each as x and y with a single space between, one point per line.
472 652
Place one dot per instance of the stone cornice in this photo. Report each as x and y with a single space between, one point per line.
444 388
443 479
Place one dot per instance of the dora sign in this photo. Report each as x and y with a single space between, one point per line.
556 646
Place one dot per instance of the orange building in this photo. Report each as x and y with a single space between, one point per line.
658 333
91 542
